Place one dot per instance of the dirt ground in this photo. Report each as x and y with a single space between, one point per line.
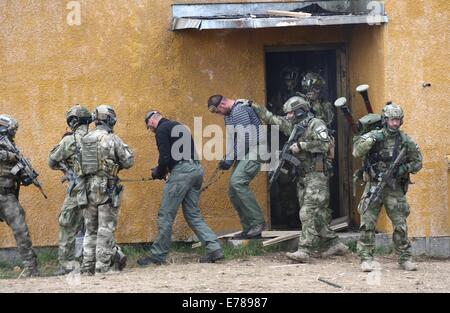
268 273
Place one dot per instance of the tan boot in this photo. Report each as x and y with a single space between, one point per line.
408 266
337 249
366 266
298 256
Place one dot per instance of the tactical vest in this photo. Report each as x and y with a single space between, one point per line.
89 155
382 154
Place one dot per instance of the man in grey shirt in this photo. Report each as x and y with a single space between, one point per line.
242 154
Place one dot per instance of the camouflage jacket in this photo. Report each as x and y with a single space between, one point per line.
314 143
378 156
323 110
67 150
113 155
7 179
111 151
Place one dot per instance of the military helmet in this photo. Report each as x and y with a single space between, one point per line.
289 72
8 125
104 114
296 103
312 81
392 110
78 115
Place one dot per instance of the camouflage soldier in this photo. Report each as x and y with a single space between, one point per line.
282 204
181 189
103 155
312 149
11 211
312 84
379 148
65 156
289 78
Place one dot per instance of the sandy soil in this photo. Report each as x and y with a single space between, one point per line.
269 273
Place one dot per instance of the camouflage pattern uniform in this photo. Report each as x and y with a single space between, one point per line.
379 149
323 110
312 84
103 190
70 216
11 211
313 188
283 188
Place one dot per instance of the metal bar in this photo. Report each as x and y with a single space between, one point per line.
200 24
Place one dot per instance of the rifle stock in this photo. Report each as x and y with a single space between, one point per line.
387 178
285 154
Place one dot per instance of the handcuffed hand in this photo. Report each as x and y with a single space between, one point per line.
225 164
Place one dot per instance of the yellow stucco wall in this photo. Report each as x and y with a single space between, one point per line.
124 54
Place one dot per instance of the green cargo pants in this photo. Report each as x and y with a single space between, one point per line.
182 188
241 196
397 209
70 222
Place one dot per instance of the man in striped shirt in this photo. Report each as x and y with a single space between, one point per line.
243 139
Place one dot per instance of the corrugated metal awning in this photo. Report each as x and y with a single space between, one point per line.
261 15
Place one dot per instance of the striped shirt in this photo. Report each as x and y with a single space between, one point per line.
241 121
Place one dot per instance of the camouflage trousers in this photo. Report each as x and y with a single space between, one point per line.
99 246
397 209
241 196
70 223
14 215
182 189
315 214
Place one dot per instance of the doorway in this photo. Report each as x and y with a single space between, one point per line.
294 62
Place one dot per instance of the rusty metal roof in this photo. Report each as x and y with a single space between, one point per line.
255 14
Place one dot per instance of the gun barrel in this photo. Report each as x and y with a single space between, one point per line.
342 103
363 91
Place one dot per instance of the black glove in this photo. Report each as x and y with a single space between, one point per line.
225 164
157 173
402 170
26 181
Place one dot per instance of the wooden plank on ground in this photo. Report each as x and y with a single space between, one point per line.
279 239
228 235
278 233
288 13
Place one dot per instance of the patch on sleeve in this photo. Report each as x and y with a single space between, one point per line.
323 134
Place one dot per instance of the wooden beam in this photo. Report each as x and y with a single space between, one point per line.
288 13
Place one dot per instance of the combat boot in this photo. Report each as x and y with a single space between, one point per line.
298 256
60 271
336 249
366 266
255 231
212 257
31 272
408 265
120 260
148 260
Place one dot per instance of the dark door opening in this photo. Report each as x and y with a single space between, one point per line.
284 207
